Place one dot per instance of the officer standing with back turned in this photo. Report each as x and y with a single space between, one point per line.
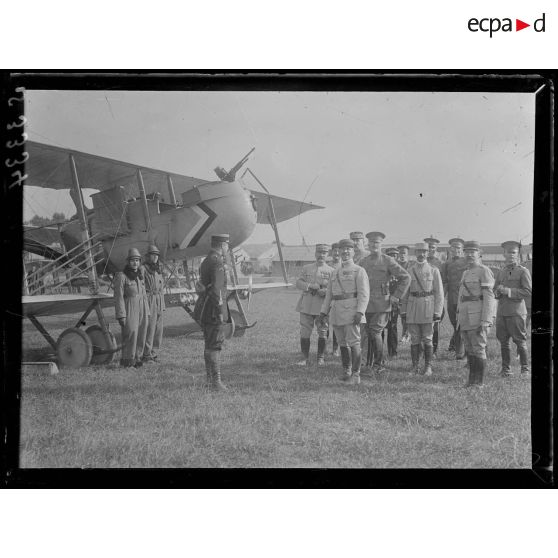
212 310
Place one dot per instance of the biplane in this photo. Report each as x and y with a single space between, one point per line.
136 206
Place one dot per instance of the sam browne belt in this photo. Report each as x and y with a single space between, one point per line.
421 294
344 296
465 298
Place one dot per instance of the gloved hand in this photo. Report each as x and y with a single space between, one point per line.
436 318
220 318
313 286
122 322
324 319
483 328
357 318
322 292
393 300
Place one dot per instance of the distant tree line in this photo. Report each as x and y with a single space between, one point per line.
39 221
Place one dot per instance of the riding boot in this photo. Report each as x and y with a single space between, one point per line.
471 361
451 347
305 349
216 384
415 359
523 357
459 346
356 358
435 336
208 368
321 350
346 363
481 367
428 350
506 358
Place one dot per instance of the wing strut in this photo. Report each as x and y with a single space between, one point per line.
144 200
77 197
273 223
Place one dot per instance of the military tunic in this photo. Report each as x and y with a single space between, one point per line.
512 311
310 303
154 288
347 293
212 310
452 272
130 300
476 305
424 298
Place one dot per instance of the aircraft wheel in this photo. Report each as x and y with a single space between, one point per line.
101 341
239 323
74 348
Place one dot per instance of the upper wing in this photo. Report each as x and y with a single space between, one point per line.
284 208
49 166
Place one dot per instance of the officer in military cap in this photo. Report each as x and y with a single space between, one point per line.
403 261
434 260
391 327
452 271
422 306
528 265
475 311
131 309
313 281
345 302
512 286
154 287
212 310
360 251
381 269
335 263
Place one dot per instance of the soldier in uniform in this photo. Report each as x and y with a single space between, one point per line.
313 282
335 263
434 260
403 261
422 306
391 327
131 309
512 286
212 310
345 302
380 270
154 287
360 251
452 271
528 265
475 311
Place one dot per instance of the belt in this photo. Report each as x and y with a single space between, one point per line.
154 292
344 296
421 294
470 298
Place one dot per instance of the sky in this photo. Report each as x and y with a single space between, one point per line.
409 164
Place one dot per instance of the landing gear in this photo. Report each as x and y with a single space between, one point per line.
104 344
74 348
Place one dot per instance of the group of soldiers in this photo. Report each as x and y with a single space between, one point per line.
139 305
362 293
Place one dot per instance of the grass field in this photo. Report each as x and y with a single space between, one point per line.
275 414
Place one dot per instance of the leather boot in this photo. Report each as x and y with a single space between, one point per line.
335 346
506 358
356 358
321 350
451 347
428 351
208 369
471 361
216 384
305 349
415 359
481 367
523 358
346 362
